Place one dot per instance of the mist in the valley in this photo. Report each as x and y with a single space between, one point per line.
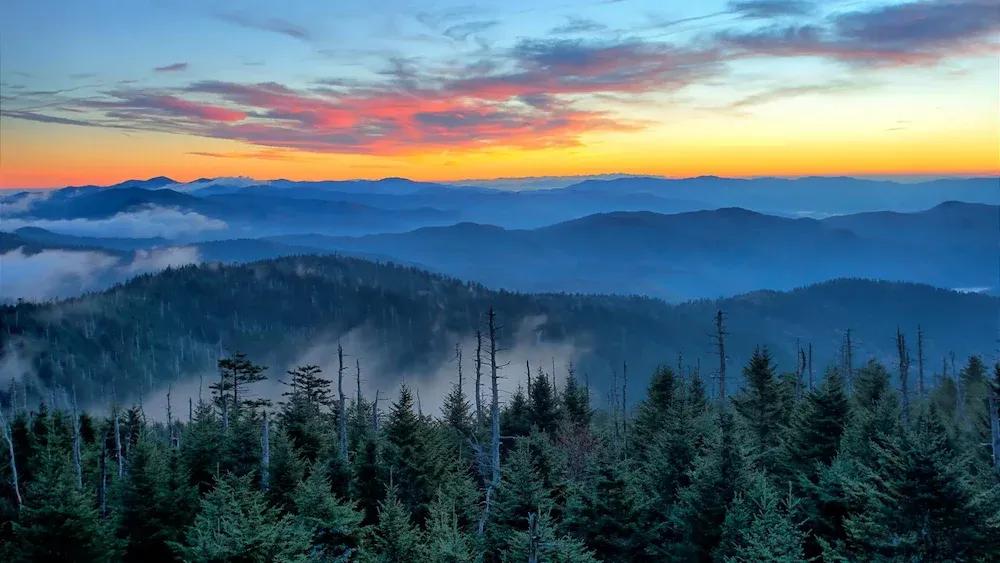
431 383
58 273
148 221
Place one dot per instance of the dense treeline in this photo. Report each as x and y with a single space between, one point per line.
139 337
849 468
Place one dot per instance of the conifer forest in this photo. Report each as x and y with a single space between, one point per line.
864 462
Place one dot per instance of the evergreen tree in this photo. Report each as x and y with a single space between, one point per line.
237 524
697 518
654 411
817 426
153 506
541 542
57 521
516 416
761 409
201 444
445 541
761 525
457 413
543 405
395 539
576 402
919 500
521 492
286 470
604 515
335 525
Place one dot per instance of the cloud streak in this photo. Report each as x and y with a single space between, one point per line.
176 67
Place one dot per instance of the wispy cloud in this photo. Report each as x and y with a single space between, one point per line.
176 67
915 33
767 9
273 25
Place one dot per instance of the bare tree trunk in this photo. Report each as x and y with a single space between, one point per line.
810 366
103 492
533 538
921 389
624 411
720 338
5 428
118 444
357 376
265 454
342 404
848 360
904 374
458 358
479 375
170 420
527 370
959 393
994 403
77 462
494 424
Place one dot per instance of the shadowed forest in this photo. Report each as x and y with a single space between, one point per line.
850 466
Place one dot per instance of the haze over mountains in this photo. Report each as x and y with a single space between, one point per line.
403 324
673 239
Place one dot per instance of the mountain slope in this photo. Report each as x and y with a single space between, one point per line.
697 254
403 322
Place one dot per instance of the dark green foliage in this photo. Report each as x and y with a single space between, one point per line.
155 502
237 524
335 525
778 476
761 407
394 539
58 522
543 405
516 416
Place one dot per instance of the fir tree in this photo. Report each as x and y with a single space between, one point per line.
543 405
58 521
395 539
237 524
761 525
335 525
761 409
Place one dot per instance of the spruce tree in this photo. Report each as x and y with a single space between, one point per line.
58 521
817 425
236 523
516 416
395 539
761 525
543 405
761 409
335 524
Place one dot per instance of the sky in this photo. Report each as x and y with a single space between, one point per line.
96 92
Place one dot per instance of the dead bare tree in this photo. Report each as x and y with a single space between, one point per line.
720 342
118 438
624 411
994 405
77 461
848 359
265 453
341 405
904 374
921 389
375 413
5 428
810 366
479 375
494 464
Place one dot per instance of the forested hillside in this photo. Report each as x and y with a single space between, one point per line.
403 323
844 469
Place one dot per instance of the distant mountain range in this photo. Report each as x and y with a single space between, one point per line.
700 254
674 257
403 323
250 208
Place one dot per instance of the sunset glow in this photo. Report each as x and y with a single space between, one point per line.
445 92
